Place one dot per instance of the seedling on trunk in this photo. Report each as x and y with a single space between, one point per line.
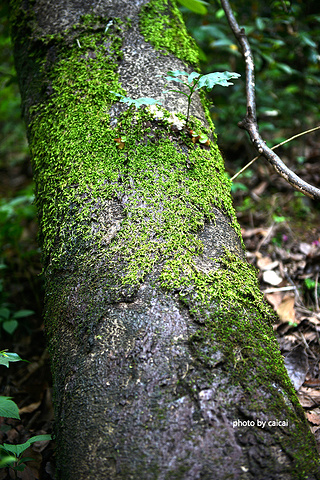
194 81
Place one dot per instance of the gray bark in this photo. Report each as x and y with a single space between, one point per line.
139 393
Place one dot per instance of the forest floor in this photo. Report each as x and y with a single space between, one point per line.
281 230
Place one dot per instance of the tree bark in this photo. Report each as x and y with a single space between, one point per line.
164 360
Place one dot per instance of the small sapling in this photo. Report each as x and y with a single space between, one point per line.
194 81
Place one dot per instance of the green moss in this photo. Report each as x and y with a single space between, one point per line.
75 156
236 321
237 331
69 137
163 26
167 187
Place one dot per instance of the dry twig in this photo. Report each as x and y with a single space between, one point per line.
273 148
249 123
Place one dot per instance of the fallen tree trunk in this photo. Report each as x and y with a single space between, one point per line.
164 360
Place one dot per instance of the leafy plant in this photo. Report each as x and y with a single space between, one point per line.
194 81
9 320
15 214
11 455
284 39
8 408
7 357
138 102
199 137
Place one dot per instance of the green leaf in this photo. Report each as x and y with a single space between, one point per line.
192 76
146 101
7 461
292 89
310 284
40 438
307 40
10 326
25 459
23 314
7 357
203 138
138 102
260 23
216 78
177 73
4 313
285 68
221 43
196 6
20 448
220 13
278 218
208 81
8 408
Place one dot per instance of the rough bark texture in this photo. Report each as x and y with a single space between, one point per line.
158 335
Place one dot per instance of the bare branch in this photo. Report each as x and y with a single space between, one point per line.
249 123
273 148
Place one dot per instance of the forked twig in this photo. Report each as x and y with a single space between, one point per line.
249 123
273 148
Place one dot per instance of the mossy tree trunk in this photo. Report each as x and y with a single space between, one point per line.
160 342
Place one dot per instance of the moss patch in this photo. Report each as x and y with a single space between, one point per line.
237 332
164 27
69 136
167 188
